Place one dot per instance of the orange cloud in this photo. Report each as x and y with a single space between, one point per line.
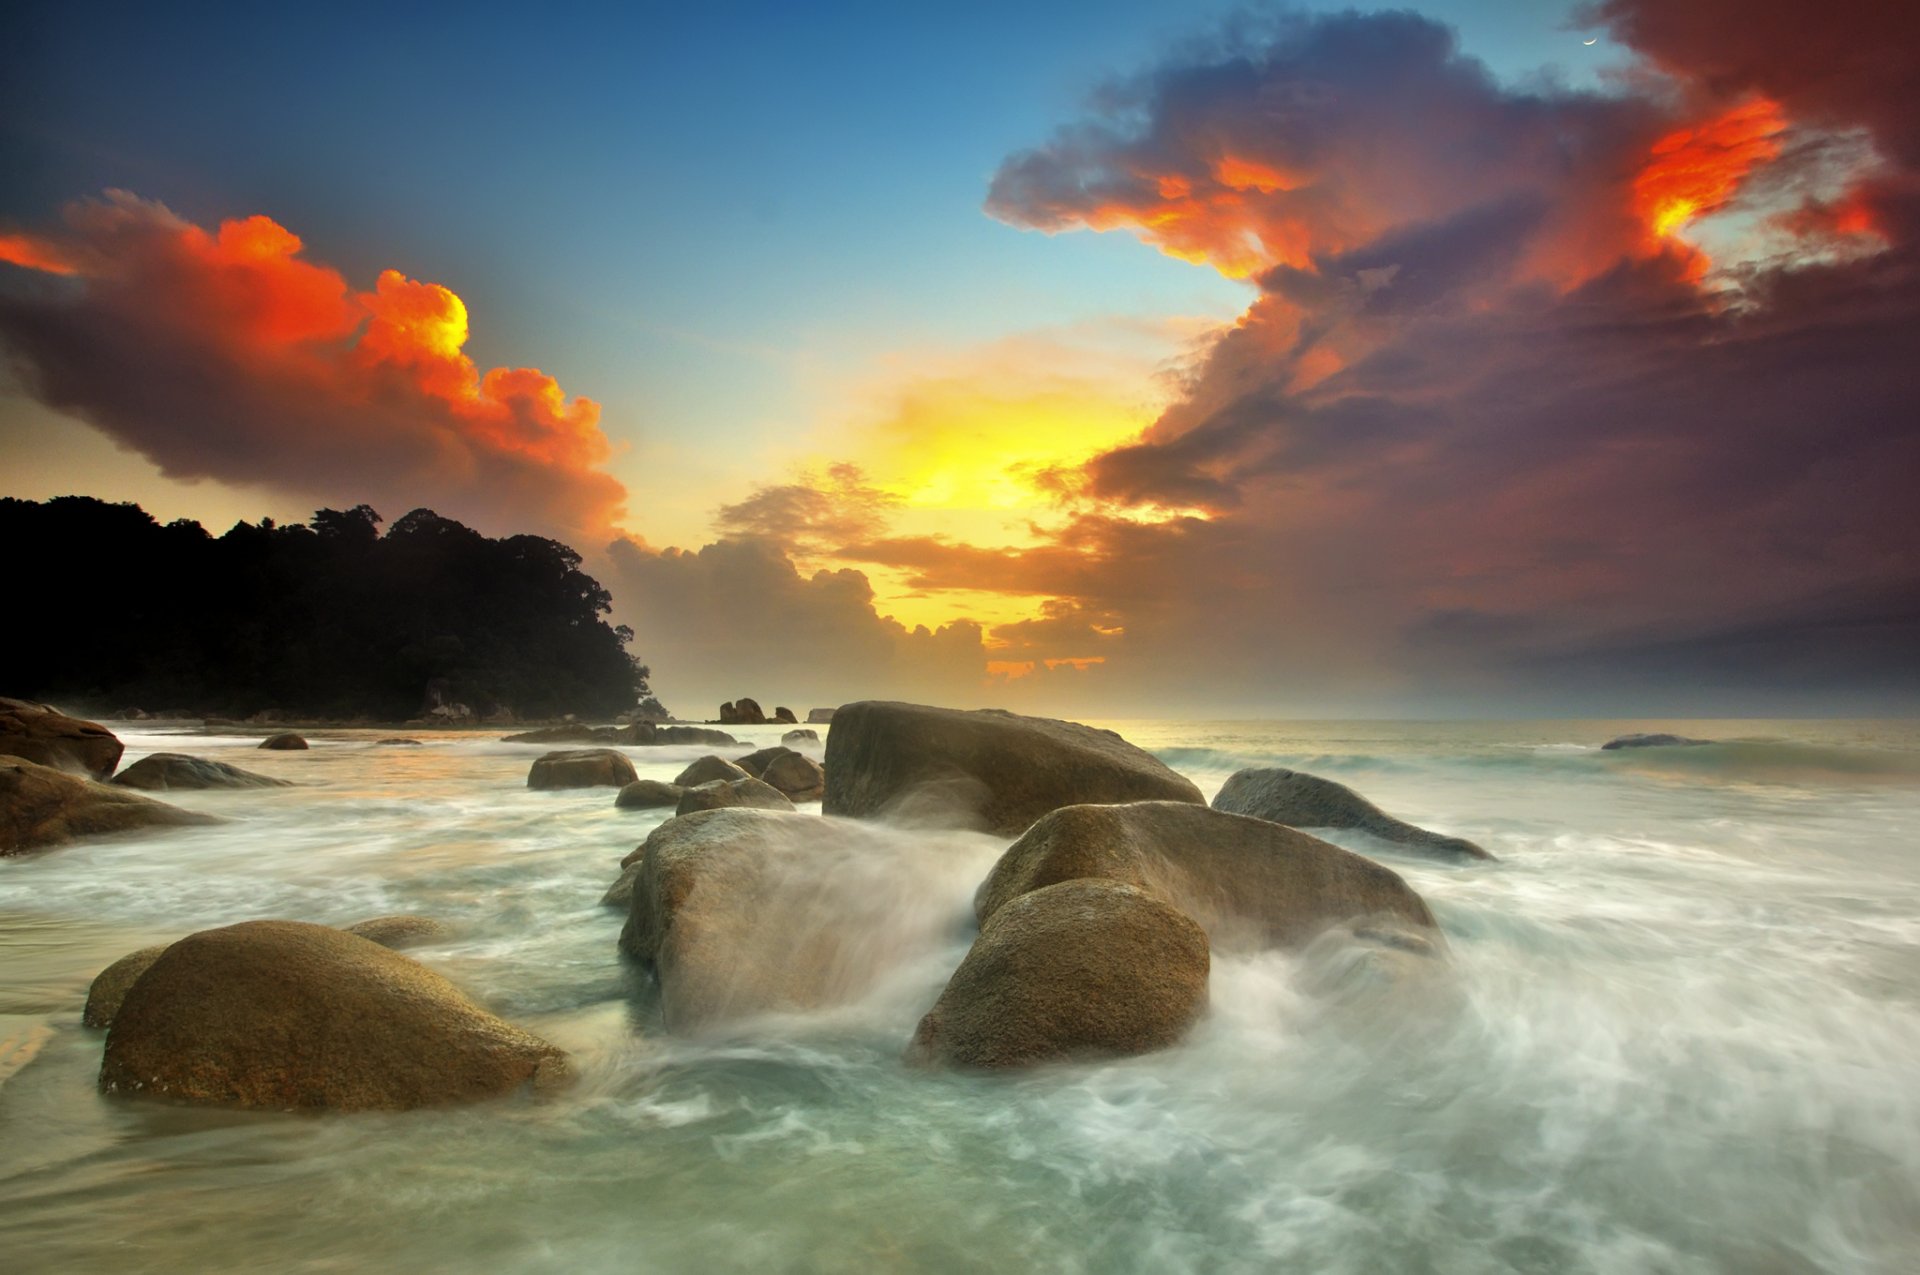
230 355
1696 171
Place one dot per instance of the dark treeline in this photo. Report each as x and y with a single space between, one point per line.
112 610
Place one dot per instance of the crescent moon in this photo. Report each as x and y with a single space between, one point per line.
1595 40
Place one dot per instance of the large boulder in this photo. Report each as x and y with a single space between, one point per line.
1652 741
286 743
988 769
709 768
742 911
648 794
742 712
755 762
719 794
1080 969
800 778
581 768
162 772
49 737
1301 800
42 807
280 1015
1250 884
111 984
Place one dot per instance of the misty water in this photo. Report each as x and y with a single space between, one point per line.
1681 1033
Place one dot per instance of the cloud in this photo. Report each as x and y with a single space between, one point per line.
229 355
1533 381
811 516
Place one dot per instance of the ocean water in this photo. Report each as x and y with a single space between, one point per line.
1681 1034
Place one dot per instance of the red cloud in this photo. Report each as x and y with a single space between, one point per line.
228 355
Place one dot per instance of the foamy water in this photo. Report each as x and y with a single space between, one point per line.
1682 1034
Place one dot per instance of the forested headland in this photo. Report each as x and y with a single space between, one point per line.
111 609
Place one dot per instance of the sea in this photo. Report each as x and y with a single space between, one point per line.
1681 1034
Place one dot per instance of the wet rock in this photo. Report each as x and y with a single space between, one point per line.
397 741
282 1015
568 734
287 743
1250 884
819 716
803 735
111 984
581 768
1652 741
988 769
708 769
48 737
1081 969
162 772
755 762
620 893
1300 800
800 778
719 794
41 807
784 716
400 930
648 794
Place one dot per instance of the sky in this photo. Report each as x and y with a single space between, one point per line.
1108 359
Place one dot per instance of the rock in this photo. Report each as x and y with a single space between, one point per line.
742 712
784 716
1250 884
398 741
1081 969
708 769
567 735
755 763
1301 800
742 911
581 768
48 737
800 778
693 735
110 985
718 794
401 930
280 1015
161 772
1652 741
620 893
648 794
819 716
988 769
803 735
42 807
284 743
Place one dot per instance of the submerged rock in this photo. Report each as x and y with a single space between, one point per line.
41 807
1250 884
709 768
284 743
48 737
1084 968
569 734
403 929
1300 800
987 769
801 736
1652 741
281 1015
581 768
648 794
719 794
161 772
702 735
111 984
397 741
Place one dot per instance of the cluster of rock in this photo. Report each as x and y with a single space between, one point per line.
638 734
1096 926
746 712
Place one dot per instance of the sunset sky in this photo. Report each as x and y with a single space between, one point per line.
1106 359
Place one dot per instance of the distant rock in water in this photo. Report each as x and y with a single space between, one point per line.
986 769
819 716
49 737
581 768
742 712
1300 800
647 794
284 743
784 717
400 930
692 735
1250 884
41 807
1081 969
708 769
397 741
111 984
569 734
718 794
162 772
1652 741
803 735
280 1015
